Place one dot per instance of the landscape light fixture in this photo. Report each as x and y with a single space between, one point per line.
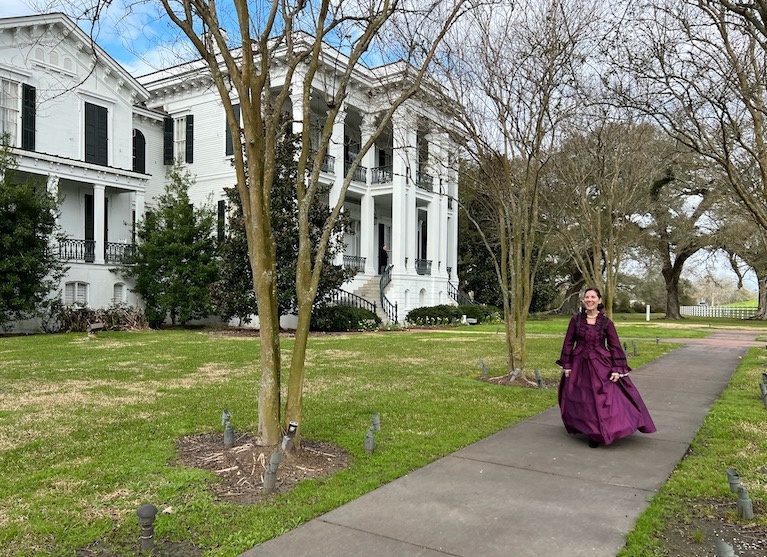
370 441
483 365
734 479
745 507
539 378
634 343
146 515
270 476
287 439
228 431
515 373
376 420
723 549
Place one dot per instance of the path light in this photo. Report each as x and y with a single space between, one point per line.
763 388
764 378
745 508
228 431
734 479
485 371
146 515
288 439
634 343
515 373
370 441
376 422
539 378
657 341
723 549
270 476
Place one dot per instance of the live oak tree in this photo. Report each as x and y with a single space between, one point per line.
174 262
29 267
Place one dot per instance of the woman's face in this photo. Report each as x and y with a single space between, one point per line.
591 300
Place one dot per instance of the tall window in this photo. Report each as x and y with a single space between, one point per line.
28 115
139 152
228 132
178 139
221 221
96 134
76 293
9 109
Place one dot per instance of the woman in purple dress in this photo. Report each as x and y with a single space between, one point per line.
596 396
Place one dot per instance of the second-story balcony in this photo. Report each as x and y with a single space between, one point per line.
423 266
355 263
328 163
360 173
424 181
382 174
73 249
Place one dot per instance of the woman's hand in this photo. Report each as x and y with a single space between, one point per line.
615 376
566 372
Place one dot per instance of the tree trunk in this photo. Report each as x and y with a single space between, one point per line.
762 313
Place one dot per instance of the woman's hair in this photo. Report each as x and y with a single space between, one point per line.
594 289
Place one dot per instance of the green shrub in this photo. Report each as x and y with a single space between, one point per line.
429 316
343 318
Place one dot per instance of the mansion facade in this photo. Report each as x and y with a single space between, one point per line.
102 140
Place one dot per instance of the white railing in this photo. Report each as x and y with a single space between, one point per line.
720 311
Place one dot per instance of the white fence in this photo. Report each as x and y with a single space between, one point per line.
720 311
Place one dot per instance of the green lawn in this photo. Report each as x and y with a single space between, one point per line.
87 428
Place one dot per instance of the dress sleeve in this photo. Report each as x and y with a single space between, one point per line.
566 357
617 355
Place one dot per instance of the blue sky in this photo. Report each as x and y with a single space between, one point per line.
137 44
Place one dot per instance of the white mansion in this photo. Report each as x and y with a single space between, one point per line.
102 140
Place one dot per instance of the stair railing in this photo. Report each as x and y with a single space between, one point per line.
343 298
388 308
460 298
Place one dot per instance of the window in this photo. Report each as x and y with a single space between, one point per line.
228 131
118 293
178 139
9 109
96 134
28 114
76 293
139 152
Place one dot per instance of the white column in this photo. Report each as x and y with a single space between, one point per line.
367 218
336 149
297 100
367 234
402 224
98 222
53 190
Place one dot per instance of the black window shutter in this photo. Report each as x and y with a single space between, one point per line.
167 141
28 112
228 131
96 134
221 224
189 138
139 152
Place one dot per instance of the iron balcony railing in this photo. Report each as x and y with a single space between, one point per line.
424 181
381 174
354 263
423 266
328 163
360 173
73 249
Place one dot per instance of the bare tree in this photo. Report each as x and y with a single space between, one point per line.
699 69
605 173
515 69
261 55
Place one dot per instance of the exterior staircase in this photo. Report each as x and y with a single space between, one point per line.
371 291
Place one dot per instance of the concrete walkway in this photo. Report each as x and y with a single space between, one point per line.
531 489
